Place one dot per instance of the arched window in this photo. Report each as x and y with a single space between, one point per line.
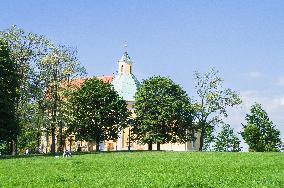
121 69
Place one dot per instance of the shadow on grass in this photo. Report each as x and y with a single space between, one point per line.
3 157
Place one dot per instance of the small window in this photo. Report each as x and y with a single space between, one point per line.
121 69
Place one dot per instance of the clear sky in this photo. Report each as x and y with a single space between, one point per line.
244 40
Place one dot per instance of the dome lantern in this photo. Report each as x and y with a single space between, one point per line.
125 83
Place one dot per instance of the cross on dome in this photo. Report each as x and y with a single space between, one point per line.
125 46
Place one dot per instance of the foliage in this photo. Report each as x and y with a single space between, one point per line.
282 146
98 113
164 112
227 140
30 134
9 128
43 69
213 101
259 132
58 70
208 139
26 49
146 169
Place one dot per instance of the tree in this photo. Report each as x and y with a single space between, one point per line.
259 132
227 140
26 49
164 113
8 93
32 128
58 69
212 102
98 113
208 138
43 69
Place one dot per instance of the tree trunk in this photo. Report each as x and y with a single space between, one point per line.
47 141
97 146
98 143
16 146
39 148
53 128
8 148
202 139
13 147
38 135
54 94
38 139
150 146
53 140
70 144
158 146
60 139
129 139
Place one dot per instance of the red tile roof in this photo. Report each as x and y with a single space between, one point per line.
79 81
106 79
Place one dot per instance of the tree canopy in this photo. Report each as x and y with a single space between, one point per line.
58 69
212 102
9 85
164 113
227 140
98 113
259 132
43 69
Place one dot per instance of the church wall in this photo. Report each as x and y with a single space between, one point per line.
171 147
124 68
69 142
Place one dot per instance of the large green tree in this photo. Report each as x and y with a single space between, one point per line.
164 113
259 132
26 49
98 113
9 84
212 103
45 71
227 140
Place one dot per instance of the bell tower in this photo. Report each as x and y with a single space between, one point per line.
125 65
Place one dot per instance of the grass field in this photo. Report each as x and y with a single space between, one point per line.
146 169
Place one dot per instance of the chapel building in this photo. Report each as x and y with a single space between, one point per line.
126 84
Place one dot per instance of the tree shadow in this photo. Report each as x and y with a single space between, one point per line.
6 157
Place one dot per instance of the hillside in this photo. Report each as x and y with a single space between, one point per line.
146 169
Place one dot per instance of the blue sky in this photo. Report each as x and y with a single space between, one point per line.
244 40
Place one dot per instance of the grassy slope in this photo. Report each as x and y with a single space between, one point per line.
146 169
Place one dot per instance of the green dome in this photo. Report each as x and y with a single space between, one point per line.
126 85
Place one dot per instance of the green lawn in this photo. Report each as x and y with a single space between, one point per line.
146 169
